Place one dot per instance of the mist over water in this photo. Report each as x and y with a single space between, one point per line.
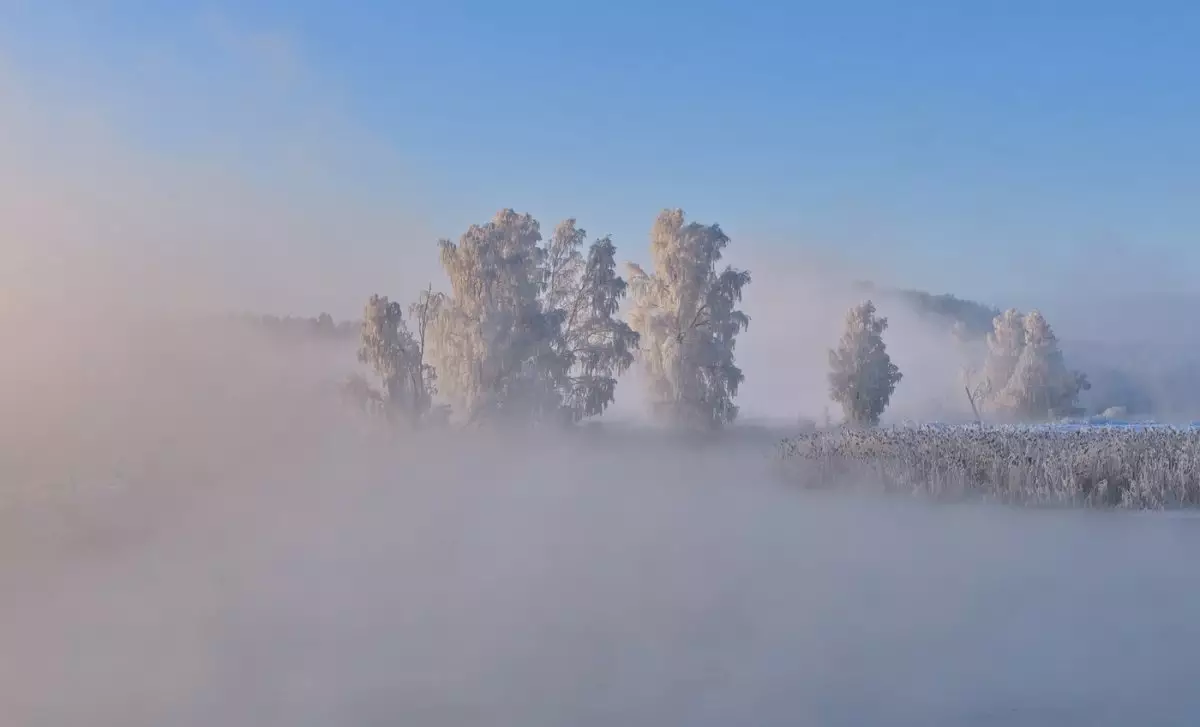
460 581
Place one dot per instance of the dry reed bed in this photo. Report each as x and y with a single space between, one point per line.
1140 468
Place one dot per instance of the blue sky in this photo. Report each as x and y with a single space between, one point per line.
993 149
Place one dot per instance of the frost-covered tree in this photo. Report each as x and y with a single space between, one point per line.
862 376
495 352
528 330
396 358
562 265
424 313
685 312
1004 346
1041 386
586 294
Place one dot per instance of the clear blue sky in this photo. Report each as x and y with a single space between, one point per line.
954 144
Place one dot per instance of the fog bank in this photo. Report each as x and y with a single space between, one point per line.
460 581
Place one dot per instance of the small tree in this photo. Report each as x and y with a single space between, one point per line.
970 375
862 376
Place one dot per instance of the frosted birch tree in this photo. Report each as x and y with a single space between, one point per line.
493 342
686 314
424 313
862 377
396 358
586 294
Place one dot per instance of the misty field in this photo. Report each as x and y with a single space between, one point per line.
1143 467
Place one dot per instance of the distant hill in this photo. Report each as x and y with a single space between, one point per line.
976 318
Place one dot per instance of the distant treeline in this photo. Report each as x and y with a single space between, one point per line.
320 327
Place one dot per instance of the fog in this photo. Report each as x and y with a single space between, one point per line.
194 532
798 304
294 572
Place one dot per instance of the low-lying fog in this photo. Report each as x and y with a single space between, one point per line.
263 561
478 583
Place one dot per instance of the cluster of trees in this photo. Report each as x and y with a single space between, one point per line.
529 330
1024 376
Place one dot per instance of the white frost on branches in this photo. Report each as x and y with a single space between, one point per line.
1026 374
396 357
685 312
862 377
528 331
